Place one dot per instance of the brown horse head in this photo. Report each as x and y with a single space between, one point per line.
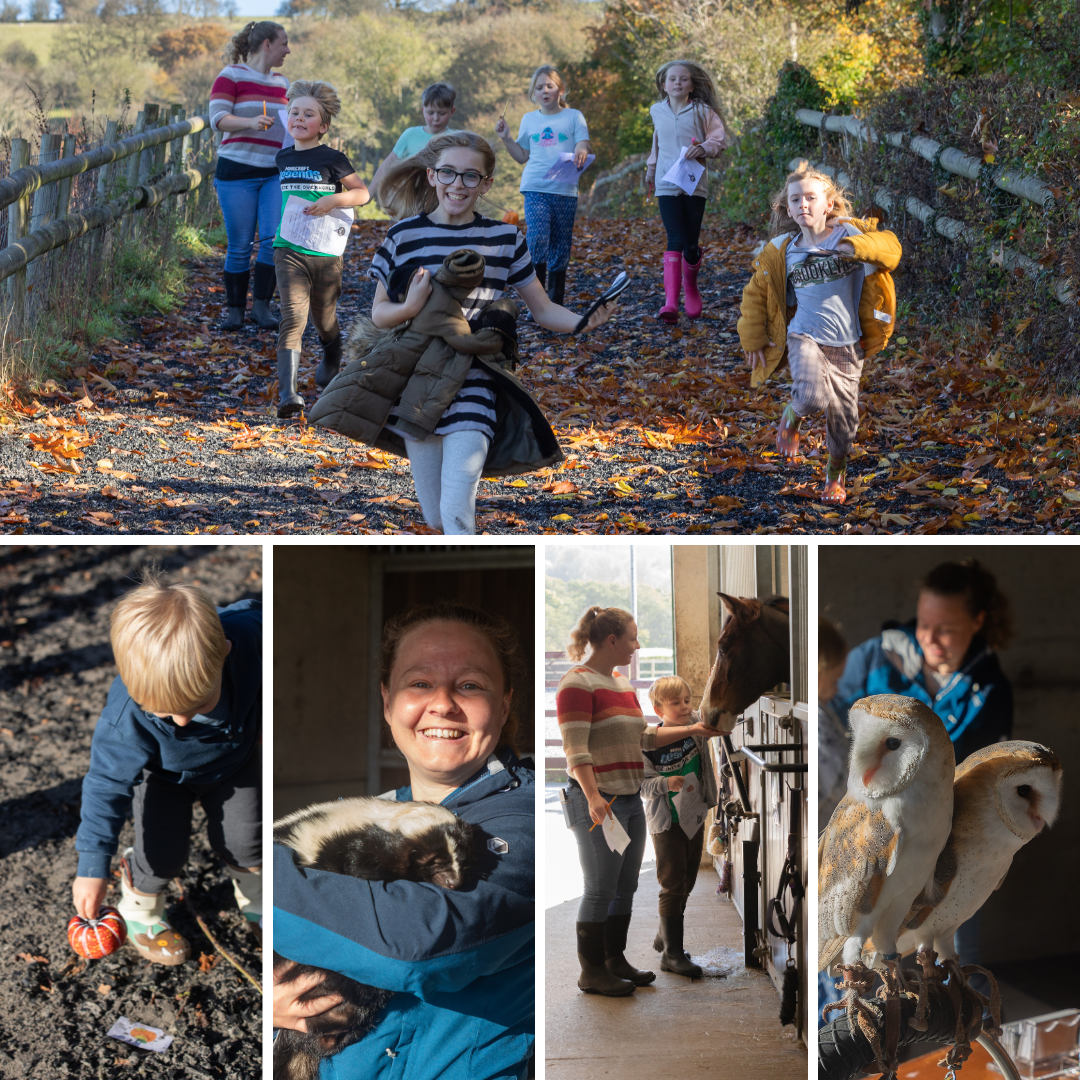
752 656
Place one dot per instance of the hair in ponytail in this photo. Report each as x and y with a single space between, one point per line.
978 588
594 627
405 192
250 39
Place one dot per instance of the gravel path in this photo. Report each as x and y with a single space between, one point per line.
55 670
173 431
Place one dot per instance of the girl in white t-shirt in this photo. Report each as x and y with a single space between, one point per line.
550 205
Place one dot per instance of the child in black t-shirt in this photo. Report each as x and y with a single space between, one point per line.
307 277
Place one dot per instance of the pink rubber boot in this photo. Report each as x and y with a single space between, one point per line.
669 313
692 303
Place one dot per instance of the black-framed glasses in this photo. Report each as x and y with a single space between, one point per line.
446 176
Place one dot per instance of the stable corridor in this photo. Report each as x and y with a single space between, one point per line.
725 1027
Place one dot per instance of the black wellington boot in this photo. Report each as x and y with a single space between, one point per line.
236 290
557 287
615 930
262 292
541 274
595 977
673 958
330 363
288 368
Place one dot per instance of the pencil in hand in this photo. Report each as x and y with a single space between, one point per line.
595 823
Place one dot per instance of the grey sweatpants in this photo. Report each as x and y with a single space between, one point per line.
826 379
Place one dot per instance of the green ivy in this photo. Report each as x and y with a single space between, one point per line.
759 160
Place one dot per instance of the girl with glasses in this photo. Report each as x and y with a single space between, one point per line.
434 196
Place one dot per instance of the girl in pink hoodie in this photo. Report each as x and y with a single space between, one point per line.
688 115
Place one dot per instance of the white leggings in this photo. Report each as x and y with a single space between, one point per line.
446 471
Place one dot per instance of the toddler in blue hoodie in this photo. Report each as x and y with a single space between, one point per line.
181 725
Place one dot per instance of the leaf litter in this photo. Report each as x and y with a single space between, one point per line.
174 430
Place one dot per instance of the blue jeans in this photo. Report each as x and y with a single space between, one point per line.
611 879
245 205
549 221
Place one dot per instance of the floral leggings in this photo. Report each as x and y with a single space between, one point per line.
549 221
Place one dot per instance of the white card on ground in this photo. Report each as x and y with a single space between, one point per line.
283 116
141 1035
615 835
328 233
690 806
564 171
685 174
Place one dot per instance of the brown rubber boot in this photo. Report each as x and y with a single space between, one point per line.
148 929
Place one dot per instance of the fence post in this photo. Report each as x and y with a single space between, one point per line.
44 209
64 196
17 214
100 238
127 223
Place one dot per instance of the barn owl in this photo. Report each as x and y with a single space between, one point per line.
1002 797
882 843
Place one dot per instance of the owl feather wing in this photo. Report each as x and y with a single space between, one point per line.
857 852
944 874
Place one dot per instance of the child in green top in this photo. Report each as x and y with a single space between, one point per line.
437 105
310 279
678 789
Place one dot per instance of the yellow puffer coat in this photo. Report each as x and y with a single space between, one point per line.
765 314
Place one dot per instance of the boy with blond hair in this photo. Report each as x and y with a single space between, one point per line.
182 724
679 788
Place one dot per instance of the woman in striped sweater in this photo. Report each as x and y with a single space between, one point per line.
604 733
244 104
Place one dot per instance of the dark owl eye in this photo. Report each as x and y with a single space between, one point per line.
892 744
1024 790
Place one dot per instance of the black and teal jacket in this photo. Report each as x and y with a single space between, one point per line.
975 702
461 962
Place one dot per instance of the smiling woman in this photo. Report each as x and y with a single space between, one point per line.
450 678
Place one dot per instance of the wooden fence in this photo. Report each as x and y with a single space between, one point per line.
1019 184
167 155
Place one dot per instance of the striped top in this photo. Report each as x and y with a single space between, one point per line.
241 90
602 725
422 242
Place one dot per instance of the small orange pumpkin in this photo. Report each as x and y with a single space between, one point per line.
95 938
511 218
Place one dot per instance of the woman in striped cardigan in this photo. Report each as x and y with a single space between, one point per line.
244 104
604 732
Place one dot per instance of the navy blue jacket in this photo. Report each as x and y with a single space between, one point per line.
975 702
128 740
461 962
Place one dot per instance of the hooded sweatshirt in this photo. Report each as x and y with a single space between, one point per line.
461 962
127 740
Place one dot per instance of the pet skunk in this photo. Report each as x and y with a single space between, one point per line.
379 840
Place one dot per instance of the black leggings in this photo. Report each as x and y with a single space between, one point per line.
163 809
681 215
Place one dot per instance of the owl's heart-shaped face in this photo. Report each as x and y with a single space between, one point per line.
885 754
1028 800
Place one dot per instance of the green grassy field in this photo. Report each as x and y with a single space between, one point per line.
40 36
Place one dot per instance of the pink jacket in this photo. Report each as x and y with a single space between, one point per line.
673 131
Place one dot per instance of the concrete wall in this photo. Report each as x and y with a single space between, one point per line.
861 586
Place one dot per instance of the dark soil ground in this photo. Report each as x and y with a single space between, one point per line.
55 670
174 430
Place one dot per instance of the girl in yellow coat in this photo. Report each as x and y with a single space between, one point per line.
825 297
